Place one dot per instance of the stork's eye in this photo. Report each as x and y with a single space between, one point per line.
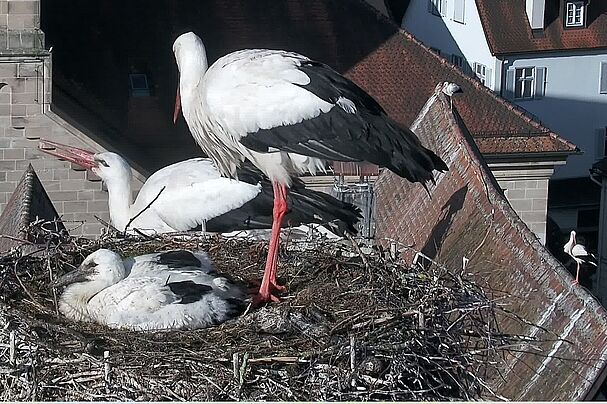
103 163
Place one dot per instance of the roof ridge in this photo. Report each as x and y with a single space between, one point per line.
519 111
378 13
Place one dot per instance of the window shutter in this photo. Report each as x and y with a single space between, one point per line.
489 78
540 82
603 84
509 91
443 7
599 147
458 13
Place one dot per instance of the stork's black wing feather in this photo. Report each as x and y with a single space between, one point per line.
305 206
189 291
178 259
342 134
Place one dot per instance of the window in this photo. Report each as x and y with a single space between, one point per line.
523 85
574 14
601 143
603 78
458 12
481 72
457 60
437 7
139 85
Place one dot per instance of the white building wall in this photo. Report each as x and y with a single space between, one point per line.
572 105
452 37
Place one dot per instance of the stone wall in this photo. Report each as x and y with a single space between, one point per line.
525 185
25 117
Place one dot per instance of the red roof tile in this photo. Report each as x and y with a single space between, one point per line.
508 31
354 38
468 216
401 74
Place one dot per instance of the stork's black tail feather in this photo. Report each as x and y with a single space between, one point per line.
356 129
305 206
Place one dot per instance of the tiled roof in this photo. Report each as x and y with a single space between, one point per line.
350 36
468 216
401 73
508 31
355 39
28 203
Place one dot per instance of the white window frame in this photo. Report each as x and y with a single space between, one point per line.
436 7
574 14
530 79
601 143
459 5
603 78
480 70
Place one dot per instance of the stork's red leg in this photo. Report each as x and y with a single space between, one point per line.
269 283
577 274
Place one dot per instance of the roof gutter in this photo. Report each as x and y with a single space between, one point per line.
527 156
536 51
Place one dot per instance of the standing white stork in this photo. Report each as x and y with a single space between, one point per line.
192 193
169 290
286 114
579 253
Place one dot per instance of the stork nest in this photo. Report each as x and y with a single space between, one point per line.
353 325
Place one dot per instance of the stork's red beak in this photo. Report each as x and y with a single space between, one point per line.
177 106
83 158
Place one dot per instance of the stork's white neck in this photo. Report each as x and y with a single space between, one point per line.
193 64
120 201
569 246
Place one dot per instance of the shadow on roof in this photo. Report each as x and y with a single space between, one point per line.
469 218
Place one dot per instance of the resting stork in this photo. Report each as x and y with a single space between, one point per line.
192 193
579 253
169 290
286 114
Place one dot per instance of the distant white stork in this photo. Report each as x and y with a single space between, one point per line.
286 113
192 193
579 253
170 290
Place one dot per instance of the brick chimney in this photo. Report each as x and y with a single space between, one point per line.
535 13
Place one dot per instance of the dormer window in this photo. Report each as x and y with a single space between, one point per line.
574 14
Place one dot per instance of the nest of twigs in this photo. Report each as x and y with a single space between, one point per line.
350 327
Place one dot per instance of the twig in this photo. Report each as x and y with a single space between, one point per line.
358 250
106 224
243 368
51 280
144 209
352 353
20 240
11 348
107 367
235 363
